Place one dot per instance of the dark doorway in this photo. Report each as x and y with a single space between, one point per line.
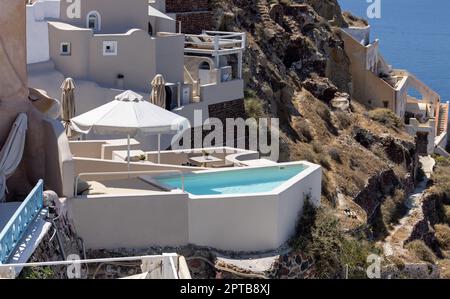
422 143
150 28
170 104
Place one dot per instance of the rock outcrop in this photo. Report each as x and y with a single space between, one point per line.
296 65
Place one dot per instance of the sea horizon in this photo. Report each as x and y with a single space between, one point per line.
414 36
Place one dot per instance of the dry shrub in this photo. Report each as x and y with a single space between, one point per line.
317 147
387 117
393 208
444 266
335 154
441 179
254 108
320 236
344 119
421 251
443 236
302 127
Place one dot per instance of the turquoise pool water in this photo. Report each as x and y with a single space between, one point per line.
240 181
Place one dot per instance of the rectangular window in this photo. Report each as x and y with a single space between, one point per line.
109 48
65 49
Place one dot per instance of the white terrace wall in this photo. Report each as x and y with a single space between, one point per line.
360 34
170 57
139 57
158 4
75 65
110 222
37 29
241 223
135 59
367 87
254 222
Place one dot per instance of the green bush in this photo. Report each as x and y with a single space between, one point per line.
37 273
387 118
442 161
254 108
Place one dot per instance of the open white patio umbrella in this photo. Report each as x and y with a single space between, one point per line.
11 152
129 114
68 104
158 96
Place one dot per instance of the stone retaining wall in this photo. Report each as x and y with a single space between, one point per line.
176 6
194 15
195 22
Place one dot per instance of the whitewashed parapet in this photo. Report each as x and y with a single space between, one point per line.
37 29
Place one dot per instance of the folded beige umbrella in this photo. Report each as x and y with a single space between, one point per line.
68 105
129 114
158 96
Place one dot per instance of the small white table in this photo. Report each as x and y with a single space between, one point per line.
205 160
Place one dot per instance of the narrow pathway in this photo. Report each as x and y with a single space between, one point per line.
394 243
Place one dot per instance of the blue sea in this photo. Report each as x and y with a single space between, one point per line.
414 35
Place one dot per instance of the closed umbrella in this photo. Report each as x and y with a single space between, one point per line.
158 96
12 151
129 114
68 104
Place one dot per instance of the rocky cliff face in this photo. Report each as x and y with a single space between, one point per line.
297 69
296 66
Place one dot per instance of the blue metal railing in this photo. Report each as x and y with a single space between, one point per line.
19 222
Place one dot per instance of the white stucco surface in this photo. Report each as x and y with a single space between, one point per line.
361 34
88 96
246 222
37 29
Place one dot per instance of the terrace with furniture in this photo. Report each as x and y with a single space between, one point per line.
213 63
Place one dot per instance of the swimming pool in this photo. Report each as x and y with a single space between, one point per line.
240 181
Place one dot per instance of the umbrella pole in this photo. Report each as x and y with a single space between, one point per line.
159 148
128 155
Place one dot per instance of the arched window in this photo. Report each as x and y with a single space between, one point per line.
94 21
204 66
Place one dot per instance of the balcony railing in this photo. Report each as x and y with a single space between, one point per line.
215 43
14 230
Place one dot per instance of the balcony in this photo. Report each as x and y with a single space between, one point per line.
16 223
215 43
